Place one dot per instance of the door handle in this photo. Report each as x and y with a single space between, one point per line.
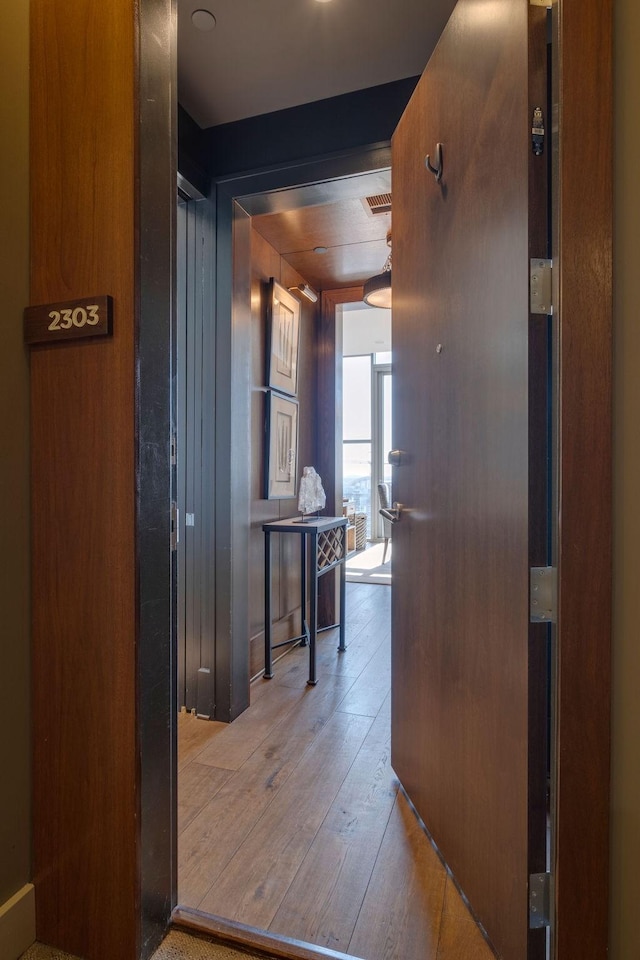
392 514
396 457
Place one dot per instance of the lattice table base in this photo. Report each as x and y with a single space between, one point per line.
326 540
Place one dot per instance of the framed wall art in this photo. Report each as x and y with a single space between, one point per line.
283 339
281 447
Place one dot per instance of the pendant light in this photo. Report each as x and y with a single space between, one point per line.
377 290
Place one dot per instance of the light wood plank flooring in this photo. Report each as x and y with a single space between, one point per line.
291 820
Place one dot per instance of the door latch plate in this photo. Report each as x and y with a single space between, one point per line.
540 286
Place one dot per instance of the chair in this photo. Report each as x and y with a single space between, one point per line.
383 503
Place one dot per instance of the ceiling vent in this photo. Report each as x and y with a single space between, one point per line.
380 203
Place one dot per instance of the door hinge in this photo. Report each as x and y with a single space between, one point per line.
173 450
543 595
175 525
539 900
540 286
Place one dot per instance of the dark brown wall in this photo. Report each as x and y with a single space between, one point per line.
266 263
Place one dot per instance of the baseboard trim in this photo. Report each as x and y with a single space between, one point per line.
18 923
250 938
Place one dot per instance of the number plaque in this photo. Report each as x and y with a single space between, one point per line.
89 317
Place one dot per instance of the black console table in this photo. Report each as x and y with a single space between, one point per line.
327 537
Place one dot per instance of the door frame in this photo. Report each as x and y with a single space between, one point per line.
583 289
378 374
582 36
236 199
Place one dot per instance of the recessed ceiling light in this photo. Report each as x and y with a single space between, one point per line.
203 20
323 1
320 249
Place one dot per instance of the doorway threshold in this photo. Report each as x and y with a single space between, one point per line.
241 935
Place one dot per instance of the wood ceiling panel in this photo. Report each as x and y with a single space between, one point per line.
341 266
355 241
329 225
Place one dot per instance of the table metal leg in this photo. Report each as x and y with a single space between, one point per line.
303 590
268 665
313 626
343 594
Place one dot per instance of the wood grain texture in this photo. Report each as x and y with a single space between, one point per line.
584 247
333 878
194 735
243 936
341 267
209 843
460 585
15 599
83 482
401 913
371 689
198 783
453 902
363 639
461 940
329 224
355 241
270 856
247 733
262 843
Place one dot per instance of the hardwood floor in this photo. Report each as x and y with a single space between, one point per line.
291 818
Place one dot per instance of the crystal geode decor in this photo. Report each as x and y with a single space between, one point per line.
312 497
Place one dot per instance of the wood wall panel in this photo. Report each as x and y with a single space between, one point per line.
329 224
355 240
584 243
266 262
82 420
15 735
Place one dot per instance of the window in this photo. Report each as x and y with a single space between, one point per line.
366 414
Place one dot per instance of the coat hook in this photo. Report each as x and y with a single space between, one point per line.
437 170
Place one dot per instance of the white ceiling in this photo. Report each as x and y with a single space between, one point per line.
365 329
267 55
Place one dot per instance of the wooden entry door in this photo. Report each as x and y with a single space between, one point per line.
461 671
